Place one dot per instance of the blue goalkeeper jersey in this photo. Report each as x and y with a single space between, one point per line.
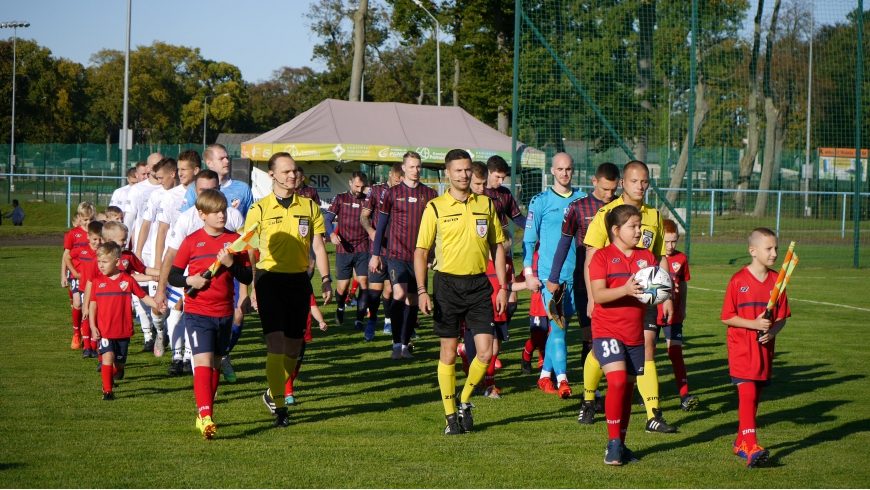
544 225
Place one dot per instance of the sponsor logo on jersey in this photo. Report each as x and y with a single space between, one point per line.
102 285
303 228
354 205
744 289
641 263
412 199
647 238
200 244
676 266
400 199
235 203
481 228
124 285
616 260
530 218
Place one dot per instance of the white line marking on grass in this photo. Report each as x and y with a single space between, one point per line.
793 299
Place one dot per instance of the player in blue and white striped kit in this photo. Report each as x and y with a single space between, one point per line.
544 225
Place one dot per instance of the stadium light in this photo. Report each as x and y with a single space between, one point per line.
205 115
419 3
14 25
125 118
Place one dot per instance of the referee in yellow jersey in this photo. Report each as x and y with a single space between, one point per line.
289 224
466 231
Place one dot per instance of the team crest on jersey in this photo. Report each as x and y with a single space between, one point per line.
125 263
303 228
744 289
641 264
481 228
227 244
676 266
616 260
124 285
530 218
235 203
647 239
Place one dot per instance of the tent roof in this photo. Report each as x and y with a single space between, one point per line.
379 126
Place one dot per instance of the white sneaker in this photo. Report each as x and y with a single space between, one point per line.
397 352
159 348
406 354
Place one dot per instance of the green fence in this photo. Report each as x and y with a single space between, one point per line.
766 95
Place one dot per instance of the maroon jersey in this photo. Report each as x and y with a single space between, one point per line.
309 192
83 258
505 205
621 319
678 267
115 304
347 208
747 298
578 217
76 237
373 203
404 207
197 253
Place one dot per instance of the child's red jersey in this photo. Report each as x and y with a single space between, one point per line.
493 280
678 267
621 319
536 304
131 264
114 304
747 297
307 336
198 252
75 238
83 259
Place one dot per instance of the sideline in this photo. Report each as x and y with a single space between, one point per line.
792 299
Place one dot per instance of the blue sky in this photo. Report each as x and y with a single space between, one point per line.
258 36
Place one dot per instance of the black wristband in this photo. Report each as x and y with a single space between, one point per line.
325 278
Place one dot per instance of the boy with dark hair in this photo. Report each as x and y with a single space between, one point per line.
750 357
114 213
112 310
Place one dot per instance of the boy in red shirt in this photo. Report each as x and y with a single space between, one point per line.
751 337
678 268
112 310
80 262
617 322
208 310
75 238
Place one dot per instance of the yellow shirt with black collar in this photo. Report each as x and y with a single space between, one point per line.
462 233
652 230
285 233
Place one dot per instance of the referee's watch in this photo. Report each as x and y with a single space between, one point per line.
326 278
504 287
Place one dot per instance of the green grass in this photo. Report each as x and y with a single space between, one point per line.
367 421
41 218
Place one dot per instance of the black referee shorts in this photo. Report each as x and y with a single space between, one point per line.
458 297
283 301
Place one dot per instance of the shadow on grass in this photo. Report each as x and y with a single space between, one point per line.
11 466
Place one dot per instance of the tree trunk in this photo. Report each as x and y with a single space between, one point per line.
701 111
773 118
422 93
780 141
109 149
748 160
502 121
359 50
455 82
647 20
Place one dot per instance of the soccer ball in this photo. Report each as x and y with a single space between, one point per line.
656 284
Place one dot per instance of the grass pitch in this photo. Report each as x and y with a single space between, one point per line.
367 421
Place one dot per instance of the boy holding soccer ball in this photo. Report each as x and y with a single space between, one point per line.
751 337
617 322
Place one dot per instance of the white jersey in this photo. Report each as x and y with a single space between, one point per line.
189 222
149 213
137 198
119 197
170 207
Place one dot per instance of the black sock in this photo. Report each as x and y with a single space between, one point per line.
511 309
301 354
397 317
587 346
374 303
388 307
339 307
362 304
410 323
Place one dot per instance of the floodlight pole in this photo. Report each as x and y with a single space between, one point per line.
123 139
14 25
437 47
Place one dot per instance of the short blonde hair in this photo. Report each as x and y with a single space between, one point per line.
111 249
114 227
211 201
86 209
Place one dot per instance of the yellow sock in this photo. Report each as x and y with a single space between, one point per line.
592 374
447 382
275 377
289 367
648 386
475 374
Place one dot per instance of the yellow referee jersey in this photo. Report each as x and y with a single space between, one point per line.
285 234
462 233
652 230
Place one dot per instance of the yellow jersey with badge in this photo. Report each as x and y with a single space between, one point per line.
652 230
462 233
285 233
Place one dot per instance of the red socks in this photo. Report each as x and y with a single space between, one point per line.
489 377
77 320
675 352
617 387
107 378
288 388
203 390
626 410
537 340
527 351
215 380
749 394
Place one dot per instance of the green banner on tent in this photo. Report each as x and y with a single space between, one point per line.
373 153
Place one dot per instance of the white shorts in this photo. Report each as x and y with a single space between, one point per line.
174 295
